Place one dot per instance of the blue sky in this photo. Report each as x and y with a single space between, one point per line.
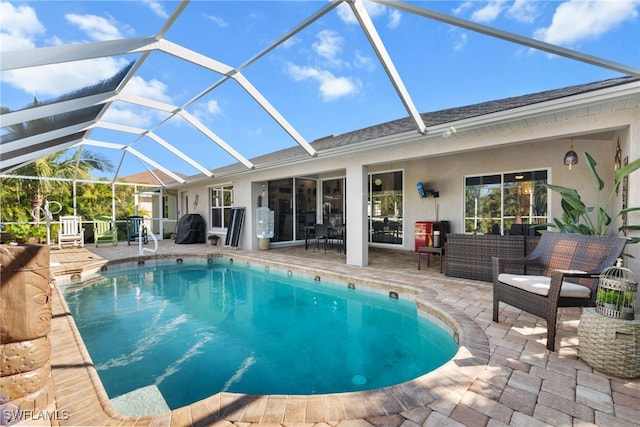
325 80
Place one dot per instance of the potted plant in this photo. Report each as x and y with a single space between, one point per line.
577 217
608 298
19 232
213 239
626 304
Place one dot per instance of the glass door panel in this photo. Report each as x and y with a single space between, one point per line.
305 205
281 202
386 208
333 209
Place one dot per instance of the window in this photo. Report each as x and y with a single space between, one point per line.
221 201
507 203
386 207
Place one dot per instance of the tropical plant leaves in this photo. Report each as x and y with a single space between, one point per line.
576 217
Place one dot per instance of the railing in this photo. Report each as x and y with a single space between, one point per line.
165 227
141 249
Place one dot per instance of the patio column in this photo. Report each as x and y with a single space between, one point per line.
357 241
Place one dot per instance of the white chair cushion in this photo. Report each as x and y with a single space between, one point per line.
540 285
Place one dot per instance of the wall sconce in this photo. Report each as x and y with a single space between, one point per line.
195 201
571 158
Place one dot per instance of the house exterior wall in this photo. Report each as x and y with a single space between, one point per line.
442 162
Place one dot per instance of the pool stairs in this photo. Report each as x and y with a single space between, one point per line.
141 402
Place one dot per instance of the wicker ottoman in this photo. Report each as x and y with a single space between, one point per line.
610 345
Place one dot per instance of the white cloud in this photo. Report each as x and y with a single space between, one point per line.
218 21
130 115
374 10
57 79
523 11
290 42
203 111
329 46
578 20
152 89
331 87
213 107
18 26
364 61
489 12
94 26
394 19
461 42
157 8
462 8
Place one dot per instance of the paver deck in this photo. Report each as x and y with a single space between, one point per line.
503 374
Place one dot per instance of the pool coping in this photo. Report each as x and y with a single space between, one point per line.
88 403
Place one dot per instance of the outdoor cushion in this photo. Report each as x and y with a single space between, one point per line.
540 285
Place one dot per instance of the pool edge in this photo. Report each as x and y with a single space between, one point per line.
437 387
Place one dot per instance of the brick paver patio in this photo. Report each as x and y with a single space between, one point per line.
503 374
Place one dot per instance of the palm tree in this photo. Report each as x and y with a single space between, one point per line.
77 166
59 165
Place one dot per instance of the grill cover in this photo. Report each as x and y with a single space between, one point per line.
190 229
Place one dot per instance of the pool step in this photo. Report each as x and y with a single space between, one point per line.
143 401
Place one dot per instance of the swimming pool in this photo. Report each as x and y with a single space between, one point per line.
196 329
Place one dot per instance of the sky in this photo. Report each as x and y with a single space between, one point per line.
325 80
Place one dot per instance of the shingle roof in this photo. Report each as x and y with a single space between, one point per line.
147 177
461 113
432 119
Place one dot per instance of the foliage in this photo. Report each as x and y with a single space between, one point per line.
19 197
19 231
620 299
581 219
78 165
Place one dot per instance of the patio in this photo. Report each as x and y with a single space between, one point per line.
518 382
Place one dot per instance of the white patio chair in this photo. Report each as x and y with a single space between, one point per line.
71 231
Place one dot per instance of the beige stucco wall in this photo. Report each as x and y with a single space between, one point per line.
425 159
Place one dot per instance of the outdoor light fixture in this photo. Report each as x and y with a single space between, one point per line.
571 158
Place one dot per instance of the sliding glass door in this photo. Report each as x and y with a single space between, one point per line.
293 201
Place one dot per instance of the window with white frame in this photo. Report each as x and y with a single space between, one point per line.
505 203
221 202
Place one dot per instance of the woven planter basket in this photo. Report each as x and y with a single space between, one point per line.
610 345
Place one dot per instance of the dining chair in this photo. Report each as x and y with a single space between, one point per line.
322 234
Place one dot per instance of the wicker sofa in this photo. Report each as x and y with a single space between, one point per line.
468 256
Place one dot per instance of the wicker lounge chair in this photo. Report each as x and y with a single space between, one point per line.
562 271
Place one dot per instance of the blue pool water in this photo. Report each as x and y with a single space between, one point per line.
195 329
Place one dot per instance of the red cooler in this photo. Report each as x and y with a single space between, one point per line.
423 233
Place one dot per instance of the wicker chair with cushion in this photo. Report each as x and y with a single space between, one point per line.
562 271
